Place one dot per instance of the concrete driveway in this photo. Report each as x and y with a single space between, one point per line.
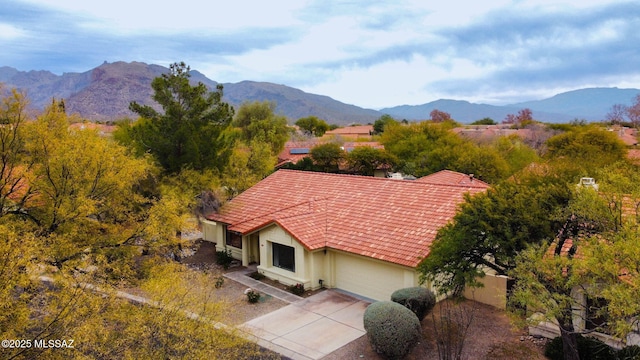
311 328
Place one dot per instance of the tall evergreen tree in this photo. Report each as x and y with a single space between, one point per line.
189 133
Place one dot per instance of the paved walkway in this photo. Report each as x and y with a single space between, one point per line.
241 277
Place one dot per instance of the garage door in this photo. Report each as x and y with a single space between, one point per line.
372 279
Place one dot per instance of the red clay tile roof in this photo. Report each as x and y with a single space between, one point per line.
452 178
286 155
358 131
390 220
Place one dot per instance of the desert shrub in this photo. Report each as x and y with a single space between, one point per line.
219 282
392 329
252 295
224 258
588 348
297 289
451 327
417 299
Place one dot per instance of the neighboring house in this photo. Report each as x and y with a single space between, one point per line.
490 132
295 151
352 132
627 135
448 177
361 234
102 129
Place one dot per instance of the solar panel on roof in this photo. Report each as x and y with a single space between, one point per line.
298 151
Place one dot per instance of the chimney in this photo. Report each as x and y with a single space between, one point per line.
470 177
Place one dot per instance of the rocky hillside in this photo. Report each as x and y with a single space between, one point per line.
104 93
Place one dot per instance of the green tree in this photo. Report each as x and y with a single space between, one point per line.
484 121
188 132
593 256
247 166
485 162
88 210
365 160
491 228
258 121
515 152
311 125
380 124
426 148
327 156
592 147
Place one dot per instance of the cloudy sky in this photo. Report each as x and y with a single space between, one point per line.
368 53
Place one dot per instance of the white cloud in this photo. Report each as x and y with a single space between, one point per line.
10 32
130 16
372 54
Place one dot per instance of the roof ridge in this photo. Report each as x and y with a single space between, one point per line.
418 183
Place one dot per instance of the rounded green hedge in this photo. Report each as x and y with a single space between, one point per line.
417 299
392 329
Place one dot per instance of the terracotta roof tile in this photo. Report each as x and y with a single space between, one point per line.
391 220
452 178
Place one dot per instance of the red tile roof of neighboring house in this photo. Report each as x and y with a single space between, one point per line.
385 219
634 155
352 131
452 178
487 132
102 129
286 155
291 153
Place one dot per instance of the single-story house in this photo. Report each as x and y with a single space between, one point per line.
364 235
351 132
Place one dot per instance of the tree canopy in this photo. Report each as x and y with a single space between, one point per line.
258 121
188 132
380 124
589 273
311 125
365 160
83 217
426 148
491 227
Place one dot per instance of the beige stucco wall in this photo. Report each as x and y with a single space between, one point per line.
275 234
214 232
211 231
493 293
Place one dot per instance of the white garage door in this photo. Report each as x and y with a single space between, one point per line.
372 279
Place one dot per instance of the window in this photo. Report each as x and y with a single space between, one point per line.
284 257
234 239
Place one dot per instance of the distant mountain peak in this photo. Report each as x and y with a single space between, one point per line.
104 93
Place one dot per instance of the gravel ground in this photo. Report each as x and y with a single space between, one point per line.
231 292
490 335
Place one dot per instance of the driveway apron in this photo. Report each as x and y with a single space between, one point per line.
311 328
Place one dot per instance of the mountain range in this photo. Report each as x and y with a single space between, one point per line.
104 93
